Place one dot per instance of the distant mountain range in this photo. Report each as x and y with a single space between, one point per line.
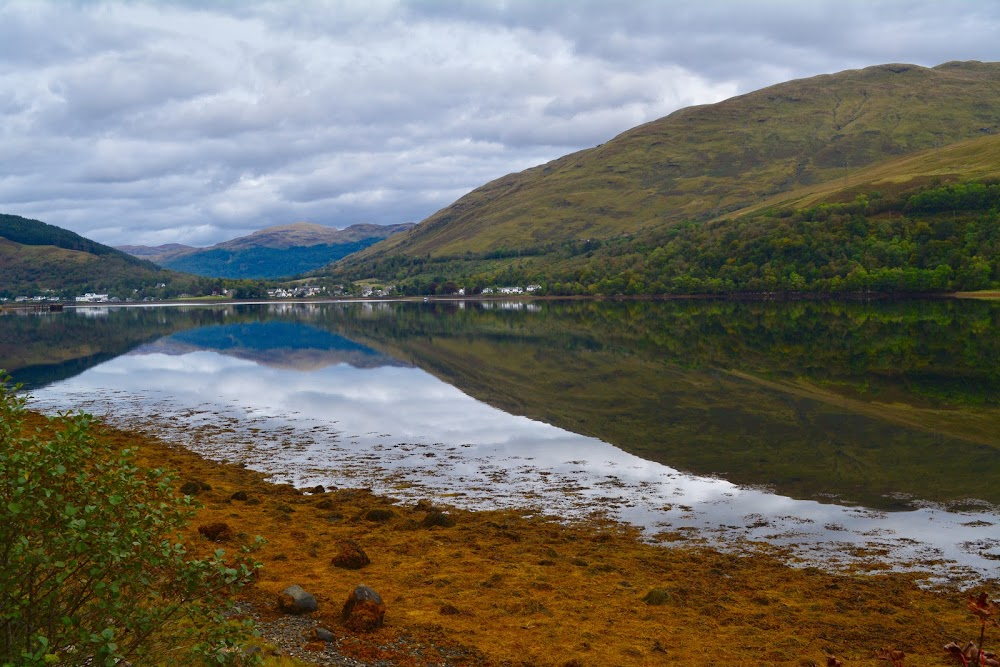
274 252
874 179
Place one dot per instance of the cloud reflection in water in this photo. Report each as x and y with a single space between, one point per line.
403 432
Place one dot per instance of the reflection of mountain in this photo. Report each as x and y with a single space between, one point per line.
39 349
279 344
869 403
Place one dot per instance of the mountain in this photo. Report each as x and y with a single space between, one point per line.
157 254
37 258
274 252
604 212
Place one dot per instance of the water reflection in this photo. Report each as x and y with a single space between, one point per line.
353 395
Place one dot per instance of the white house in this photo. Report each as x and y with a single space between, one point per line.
90 297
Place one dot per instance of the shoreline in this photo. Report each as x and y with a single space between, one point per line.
573 479
505 587
988 295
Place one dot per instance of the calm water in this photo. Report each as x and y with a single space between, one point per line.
844 431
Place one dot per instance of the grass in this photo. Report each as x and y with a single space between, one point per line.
971 160
514 588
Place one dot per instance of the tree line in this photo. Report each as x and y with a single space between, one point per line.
936 239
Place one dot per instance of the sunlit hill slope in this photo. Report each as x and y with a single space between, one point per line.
886 131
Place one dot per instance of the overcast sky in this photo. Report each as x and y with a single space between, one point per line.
160 122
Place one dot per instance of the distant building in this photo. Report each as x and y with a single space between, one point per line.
90 297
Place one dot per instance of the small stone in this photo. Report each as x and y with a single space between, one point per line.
295 600
364 610
657 597
239 495
321 634
193 488
380 515
439 519
350 556
216 532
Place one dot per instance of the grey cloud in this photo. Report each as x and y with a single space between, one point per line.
169 121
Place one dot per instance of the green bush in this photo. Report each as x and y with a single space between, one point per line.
91 567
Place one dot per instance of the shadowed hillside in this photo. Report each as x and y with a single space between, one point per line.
38 258
274 252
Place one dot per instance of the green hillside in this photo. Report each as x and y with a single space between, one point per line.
41 259
26 231
801 143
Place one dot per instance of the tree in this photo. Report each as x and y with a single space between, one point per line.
91 567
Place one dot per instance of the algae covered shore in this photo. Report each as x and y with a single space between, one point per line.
515 588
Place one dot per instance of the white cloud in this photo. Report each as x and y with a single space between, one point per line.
156 122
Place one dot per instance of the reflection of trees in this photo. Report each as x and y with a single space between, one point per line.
759 392
924 348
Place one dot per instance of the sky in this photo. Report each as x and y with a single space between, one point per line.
197 122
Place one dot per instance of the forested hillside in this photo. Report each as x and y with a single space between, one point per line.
41 259
934 239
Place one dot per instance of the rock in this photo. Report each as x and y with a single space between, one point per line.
350 556
319 488
294 600
320 634
438 518
657 597
217 532
380 515
193 488
239 495
363 611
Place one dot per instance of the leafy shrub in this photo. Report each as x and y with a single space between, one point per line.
91 567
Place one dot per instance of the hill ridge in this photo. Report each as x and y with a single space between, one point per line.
702 163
